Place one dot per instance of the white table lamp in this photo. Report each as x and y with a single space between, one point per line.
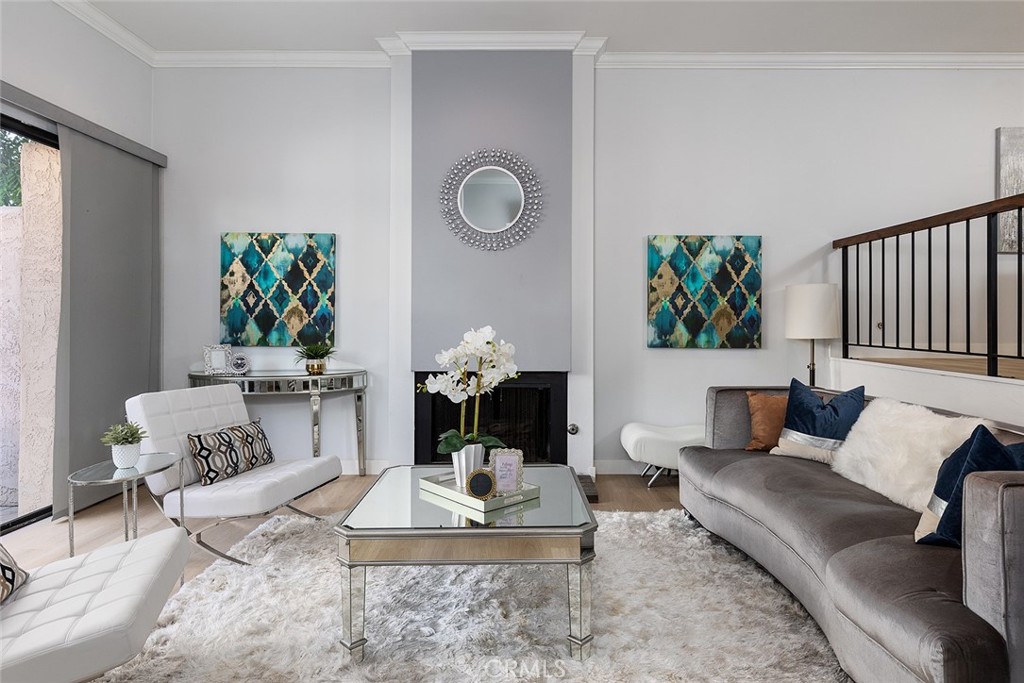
812 312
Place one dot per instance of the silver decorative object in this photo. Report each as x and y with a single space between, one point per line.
510 236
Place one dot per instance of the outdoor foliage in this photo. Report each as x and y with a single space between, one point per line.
10 168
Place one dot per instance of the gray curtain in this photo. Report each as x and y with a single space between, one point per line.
108 346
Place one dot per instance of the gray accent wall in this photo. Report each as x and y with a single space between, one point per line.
520 101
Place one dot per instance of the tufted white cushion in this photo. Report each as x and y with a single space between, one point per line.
257 491
169 416
76 618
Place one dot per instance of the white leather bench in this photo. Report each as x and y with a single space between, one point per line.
658 447
170 416
77 618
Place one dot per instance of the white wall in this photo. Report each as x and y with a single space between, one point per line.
284 150
798 156
53 55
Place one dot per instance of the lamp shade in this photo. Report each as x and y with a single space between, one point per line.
812 311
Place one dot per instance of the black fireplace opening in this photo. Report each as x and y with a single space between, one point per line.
529 413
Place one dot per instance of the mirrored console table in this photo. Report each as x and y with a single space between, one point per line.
289 382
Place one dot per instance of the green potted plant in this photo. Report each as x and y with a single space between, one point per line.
316 356
125 441
474 368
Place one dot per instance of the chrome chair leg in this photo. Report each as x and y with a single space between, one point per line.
655 477
646 470
303 512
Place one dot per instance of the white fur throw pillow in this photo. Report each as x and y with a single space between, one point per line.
896 449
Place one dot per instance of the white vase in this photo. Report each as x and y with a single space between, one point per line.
126 455
470 458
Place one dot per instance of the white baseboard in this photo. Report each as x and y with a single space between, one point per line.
618 467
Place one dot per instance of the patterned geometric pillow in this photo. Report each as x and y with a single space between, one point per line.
12 577
252 445
227 452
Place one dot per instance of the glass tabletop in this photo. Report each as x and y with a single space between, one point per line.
394 501
106 473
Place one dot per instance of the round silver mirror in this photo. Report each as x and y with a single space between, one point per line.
491 199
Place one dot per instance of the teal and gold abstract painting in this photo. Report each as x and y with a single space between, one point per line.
704 291
276 289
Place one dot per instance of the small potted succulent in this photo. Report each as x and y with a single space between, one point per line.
316 356
125 441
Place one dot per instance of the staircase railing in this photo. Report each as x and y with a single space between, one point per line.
918 287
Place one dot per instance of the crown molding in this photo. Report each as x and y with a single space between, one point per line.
395 47
272 59
491 40
591 47
87 13
812 60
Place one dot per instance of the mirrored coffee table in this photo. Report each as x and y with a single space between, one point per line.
392 525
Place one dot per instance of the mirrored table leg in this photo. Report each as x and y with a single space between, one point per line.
580 594
71 520
124 498
353 597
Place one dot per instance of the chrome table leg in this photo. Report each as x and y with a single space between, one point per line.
314 409
124 500
135 508
71 519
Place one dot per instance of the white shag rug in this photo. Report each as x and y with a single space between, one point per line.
671 603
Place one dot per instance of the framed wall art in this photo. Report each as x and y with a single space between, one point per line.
277 289
704 291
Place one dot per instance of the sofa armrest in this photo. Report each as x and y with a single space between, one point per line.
993 557
728 415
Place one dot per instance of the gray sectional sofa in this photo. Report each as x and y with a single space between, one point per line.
892 610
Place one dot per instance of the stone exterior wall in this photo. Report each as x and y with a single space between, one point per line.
30 276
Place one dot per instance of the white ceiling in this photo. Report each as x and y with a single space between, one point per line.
630 26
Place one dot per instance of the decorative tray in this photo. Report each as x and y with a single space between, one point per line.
496 515
444 485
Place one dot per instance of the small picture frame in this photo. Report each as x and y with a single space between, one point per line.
480 484
507 465
217 359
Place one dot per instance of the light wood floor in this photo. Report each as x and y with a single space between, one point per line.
47 541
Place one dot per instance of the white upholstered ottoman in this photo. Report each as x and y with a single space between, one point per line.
658 447
77 618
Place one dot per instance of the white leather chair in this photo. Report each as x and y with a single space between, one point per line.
77 618
658 447
170 416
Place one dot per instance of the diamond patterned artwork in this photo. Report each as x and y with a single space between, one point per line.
704 292
276 289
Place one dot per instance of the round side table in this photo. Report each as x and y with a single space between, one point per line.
105 473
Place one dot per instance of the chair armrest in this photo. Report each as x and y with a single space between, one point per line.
993 557
728 415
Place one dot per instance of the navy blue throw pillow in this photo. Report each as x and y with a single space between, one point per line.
815 429
982 452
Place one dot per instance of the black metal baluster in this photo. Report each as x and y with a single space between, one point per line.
858 294
899 339
871 293
948 310
846 303
930 316
913 290
967 282
883 294
992 295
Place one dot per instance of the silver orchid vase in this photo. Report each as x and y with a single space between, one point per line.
470 458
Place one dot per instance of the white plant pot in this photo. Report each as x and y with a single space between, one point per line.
126 455
465 461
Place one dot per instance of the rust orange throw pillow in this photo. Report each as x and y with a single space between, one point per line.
767 418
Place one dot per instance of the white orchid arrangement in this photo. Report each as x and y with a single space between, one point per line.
474 368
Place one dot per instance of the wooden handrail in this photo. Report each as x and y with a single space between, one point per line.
960 215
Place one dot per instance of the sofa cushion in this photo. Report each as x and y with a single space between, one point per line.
909 598
12 577
257 491
815 429
804 503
